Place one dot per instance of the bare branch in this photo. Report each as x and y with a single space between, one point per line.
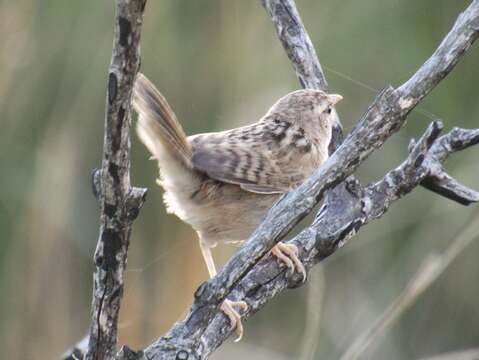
445 185
296 42
119 202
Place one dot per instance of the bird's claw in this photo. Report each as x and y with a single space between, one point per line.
235 318
288 254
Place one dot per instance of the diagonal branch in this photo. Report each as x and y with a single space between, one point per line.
119 202
297 43
445 185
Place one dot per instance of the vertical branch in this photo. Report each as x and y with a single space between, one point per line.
296 42
119 202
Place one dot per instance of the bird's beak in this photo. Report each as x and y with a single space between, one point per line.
334 98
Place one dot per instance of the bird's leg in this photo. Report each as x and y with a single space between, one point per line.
288 254
227 306
210 264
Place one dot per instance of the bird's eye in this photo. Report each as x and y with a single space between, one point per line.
328 110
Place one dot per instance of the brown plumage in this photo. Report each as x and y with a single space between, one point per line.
223 183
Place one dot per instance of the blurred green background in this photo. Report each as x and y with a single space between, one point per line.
220 65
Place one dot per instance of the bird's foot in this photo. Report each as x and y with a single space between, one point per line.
288 254
228 308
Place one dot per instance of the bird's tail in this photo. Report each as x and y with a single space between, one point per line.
159 130
158 127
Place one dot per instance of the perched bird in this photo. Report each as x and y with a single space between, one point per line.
223 183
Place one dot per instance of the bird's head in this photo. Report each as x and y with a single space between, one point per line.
312 110
306 105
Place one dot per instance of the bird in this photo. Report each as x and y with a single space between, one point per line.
223 183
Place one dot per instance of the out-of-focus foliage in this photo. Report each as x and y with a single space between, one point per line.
220 65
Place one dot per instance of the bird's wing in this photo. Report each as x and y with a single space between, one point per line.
263 158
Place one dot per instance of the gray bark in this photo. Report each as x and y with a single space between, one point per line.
119 202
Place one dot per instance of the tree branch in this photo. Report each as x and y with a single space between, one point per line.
119 202
297 43
253 276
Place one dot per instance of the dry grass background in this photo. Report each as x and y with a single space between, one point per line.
220 65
